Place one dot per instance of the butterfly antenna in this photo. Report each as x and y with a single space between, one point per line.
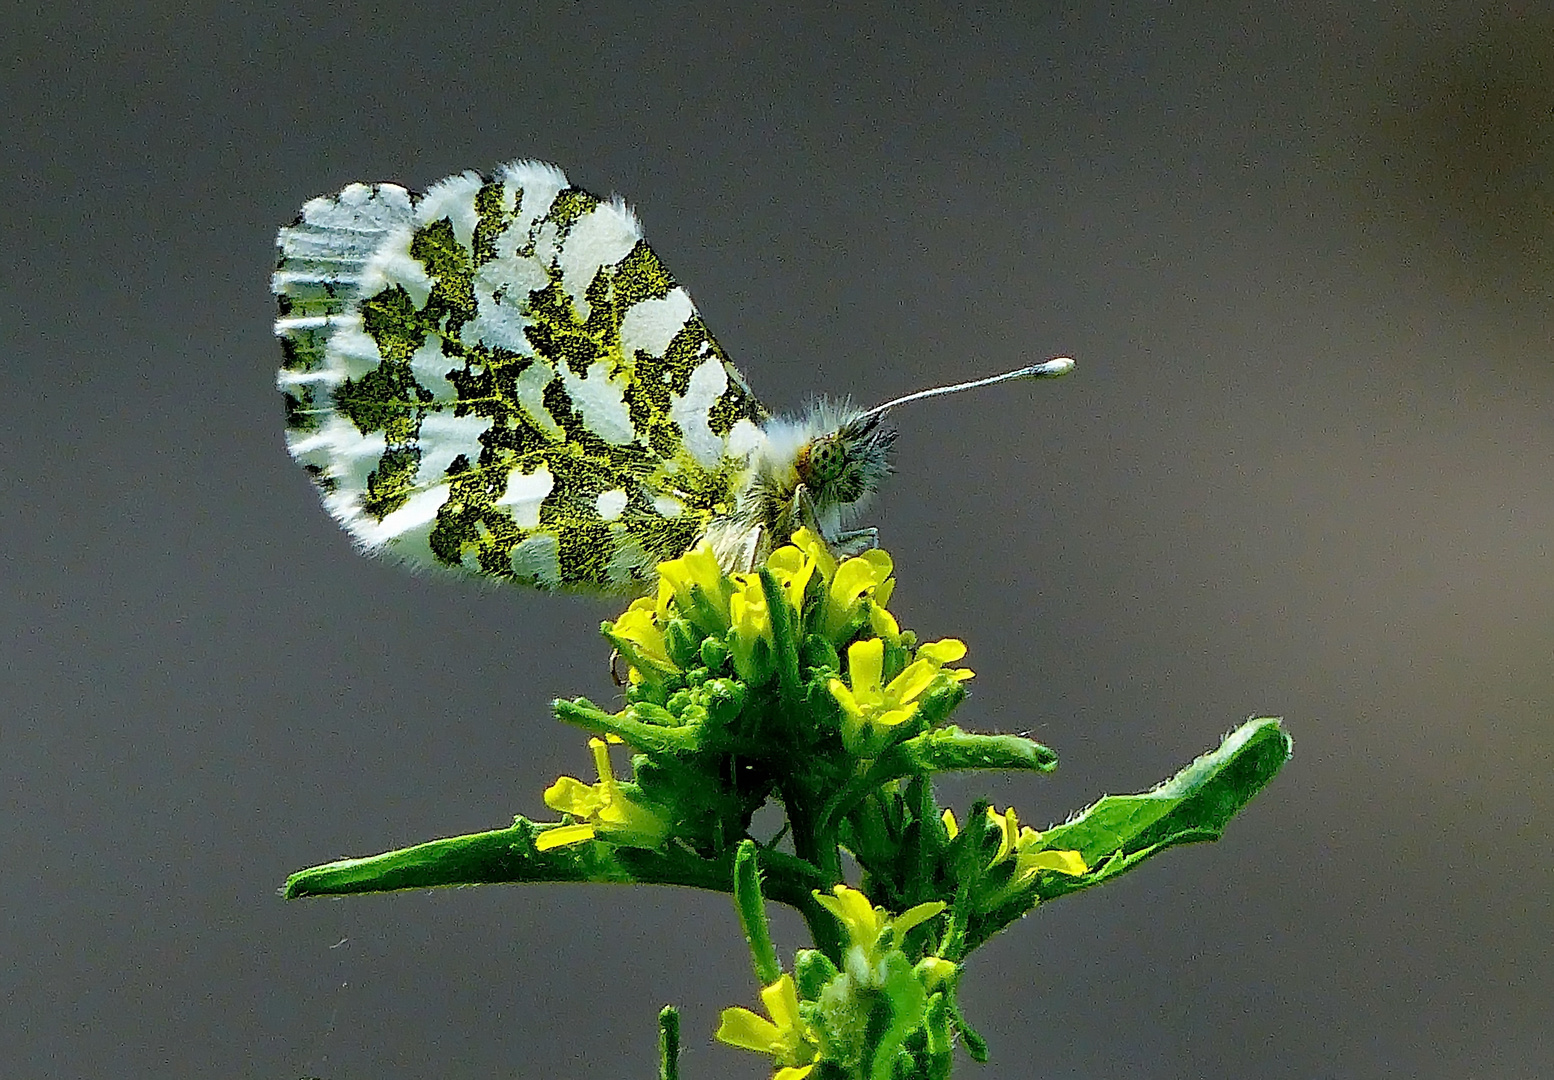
1049 369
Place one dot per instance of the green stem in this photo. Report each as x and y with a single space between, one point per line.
669 1043
752 914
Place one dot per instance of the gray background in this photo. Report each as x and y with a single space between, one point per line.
1305 467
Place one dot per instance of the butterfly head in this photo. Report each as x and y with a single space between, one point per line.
846 462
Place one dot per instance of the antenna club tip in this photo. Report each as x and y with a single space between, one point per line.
1058 365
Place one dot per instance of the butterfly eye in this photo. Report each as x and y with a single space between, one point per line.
830 468
824 463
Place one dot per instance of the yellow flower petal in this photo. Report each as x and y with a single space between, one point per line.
883 622
793 569
747 607
854 578
879 559
884 591
1064 862
742 1028
943 651
818 552
894 716
794 1072
781 999
915 916
696 569
1008 826
786 560
844 697
917 677
856 914
865 664
950 825
569 795
601 754
857 578
563 835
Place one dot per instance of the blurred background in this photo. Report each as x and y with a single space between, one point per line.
1304 256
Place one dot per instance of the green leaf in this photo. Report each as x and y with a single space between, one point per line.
500 855
508 856
1120 831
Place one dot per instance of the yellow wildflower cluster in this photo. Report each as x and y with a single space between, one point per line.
695 589
872 935
851 597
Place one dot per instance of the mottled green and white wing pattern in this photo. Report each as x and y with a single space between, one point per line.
500 377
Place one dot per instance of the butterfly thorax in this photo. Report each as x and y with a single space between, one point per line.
817 471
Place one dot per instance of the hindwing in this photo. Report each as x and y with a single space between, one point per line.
499 377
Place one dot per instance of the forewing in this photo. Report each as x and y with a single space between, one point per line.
499 377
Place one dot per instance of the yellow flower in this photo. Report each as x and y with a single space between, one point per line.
860 579
868 705
785 1036
865 923
639 636
606 810
698 588
872 932
793 568
1022 842
814 547
752 624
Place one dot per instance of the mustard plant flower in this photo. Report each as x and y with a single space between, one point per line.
750 645
863 703
867 705
785 1036
872 932
866 924
639 637
862 579
793 568
698 588
605 810
1023 843
817 551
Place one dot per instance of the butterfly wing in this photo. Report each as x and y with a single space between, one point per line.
499 377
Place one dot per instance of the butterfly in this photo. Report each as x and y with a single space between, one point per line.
500 378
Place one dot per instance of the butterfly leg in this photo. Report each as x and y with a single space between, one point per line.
854 541
843 544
